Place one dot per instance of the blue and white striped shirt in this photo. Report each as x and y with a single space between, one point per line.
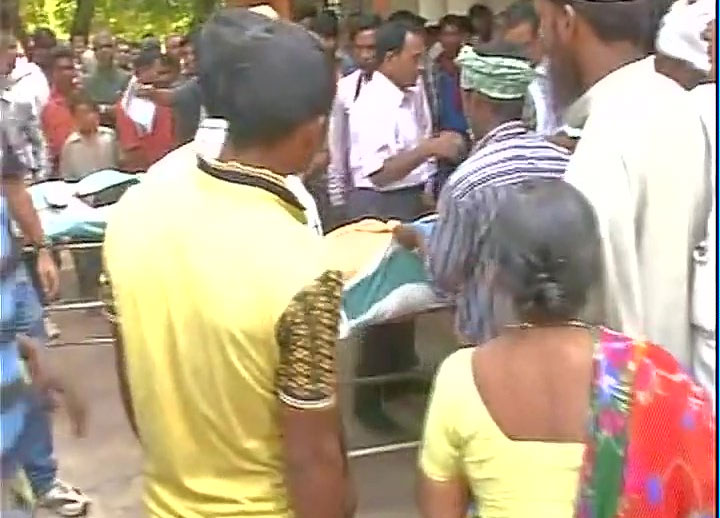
506 156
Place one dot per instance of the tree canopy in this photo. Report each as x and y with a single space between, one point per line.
129 18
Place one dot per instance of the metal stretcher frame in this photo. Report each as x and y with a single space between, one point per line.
108 341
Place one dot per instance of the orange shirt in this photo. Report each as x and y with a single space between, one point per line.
58 124
152 146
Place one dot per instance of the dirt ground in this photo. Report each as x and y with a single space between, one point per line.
106 463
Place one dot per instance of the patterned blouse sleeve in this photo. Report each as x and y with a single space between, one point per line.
307 336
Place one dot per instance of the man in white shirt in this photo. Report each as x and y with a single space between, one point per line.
349 88
641 162
392 149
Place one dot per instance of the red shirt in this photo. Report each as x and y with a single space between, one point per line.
58 124
146 148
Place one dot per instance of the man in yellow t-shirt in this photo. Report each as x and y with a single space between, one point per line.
226 316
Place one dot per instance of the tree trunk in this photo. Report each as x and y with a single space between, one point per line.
10 19
82 20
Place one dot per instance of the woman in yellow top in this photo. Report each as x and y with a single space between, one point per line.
555 418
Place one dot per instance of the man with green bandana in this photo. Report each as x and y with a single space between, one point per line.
494 80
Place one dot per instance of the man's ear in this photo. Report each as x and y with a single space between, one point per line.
567 23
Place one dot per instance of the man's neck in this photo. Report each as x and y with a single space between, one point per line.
106 68
261 157
88 134
602 59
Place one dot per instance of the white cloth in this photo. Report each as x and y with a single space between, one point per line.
704 289
31 80
547 122
642 164
383 122
680 34
140 111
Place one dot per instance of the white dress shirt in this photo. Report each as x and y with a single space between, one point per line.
339 179
383 122
31 80
642 163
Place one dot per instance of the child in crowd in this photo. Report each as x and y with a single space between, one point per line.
91 147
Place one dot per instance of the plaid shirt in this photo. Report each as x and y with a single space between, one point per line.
24 133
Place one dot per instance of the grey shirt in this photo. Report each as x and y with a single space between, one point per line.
84 155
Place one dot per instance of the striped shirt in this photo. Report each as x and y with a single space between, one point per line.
506 156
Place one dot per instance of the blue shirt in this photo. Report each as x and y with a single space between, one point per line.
13 390
450 113
506 156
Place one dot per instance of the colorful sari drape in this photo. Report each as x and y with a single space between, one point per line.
651 449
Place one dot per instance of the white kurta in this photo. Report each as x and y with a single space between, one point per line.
642 163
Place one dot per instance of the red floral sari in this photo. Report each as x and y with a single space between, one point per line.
651 450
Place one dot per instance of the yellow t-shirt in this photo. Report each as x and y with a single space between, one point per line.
225 311
518 479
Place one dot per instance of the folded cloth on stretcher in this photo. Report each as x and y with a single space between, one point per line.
77 211
383 280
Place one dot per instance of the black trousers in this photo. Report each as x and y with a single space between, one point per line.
387 348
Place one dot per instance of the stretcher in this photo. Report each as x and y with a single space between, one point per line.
393 286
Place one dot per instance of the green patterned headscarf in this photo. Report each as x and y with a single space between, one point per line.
498 77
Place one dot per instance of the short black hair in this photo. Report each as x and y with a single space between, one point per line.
391 37
303 10
147 58
170 61
83 99
409 18
519 13
62 52
363 22
121 41
44 37
264 77
455 20
79 35
545 244
325 25
628 20
480 11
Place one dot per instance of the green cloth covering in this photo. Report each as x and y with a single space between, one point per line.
498 77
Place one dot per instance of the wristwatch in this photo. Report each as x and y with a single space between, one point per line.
45 244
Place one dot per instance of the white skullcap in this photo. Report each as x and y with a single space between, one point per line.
265 10
680 34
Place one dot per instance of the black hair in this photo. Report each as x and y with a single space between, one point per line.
391 37
147 58
45 36
83 99
545 243
122 41
479 11
265 77
325 25
62 52
409 18
455 20
170 61
151 44
148 36
628 20
79 35
659 9
519 13
303 10
363 22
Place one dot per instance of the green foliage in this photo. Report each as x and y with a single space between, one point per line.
128 18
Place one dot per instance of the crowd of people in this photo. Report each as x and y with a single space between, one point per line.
568 148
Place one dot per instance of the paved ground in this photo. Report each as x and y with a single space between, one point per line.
106 463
